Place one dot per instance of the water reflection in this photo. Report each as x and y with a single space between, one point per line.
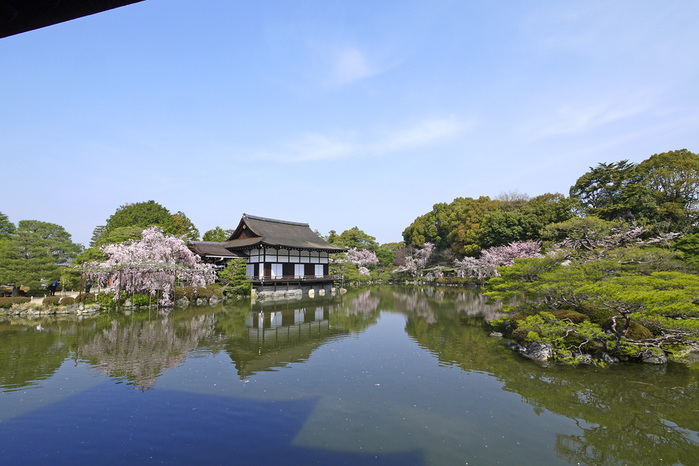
629 414
139 351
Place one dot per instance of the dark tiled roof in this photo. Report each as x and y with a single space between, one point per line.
211 249
280 233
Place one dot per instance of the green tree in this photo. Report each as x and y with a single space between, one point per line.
33 253
217 234
7 228
615 191
456 226
184 227
522 220
141 215
467 217
354 238
97 235
234 278
673 178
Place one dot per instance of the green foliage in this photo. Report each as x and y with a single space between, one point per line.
614 191
107 300
33 252
456 226
233 278
217 234
86 298
7 302
7 228
522 220
184 228
67 301
51 301
673 178
140 215
354 238
139 299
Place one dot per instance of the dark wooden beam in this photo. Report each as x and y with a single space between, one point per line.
17 16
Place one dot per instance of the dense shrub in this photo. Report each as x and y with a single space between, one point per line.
573 316
216 290
184 292
596 314
9 301
205 293
67 301
86 298
139 299
636 331
51 301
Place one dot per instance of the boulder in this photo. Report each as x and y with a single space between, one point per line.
539 351
653 356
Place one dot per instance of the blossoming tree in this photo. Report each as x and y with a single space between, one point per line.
150 265
362 258
416 260
487 264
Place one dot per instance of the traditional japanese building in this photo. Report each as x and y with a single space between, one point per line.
277 252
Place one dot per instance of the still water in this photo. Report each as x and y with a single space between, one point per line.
385 375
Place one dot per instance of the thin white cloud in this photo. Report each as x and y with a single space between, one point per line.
313 147
583 116
350 64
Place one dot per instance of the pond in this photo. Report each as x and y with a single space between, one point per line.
381 375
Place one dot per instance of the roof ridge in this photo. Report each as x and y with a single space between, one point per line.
264 219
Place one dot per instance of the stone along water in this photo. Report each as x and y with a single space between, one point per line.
392 375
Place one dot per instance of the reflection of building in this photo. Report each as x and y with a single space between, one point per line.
277 252
276 336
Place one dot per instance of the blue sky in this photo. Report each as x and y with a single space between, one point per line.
338 114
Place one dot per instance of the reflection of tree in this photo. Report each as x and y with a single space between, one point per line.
628 414
28 354
358 311
139 351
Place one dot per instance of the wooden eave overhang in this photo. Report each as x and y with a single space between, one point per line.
211 249
17 16
254 232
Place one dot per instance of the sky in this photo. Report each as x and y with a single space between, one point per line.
336 113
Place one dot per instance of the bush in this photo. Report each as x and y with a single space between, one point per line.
216 290
86 298
184 292
107 299
573 316
139 299
67 301
597 315
51 301
7 303
205 293
635 331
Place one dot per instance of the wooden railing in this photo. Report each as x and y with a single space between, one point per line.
297 278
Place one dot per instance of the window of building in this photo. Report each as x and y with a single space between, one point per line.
251 270
277 271
298 270
319 270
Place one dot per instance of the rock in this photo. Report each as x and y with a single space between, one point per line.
653 356
606 358
202 301
311 293
585 359
539 351
183 302
496 334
